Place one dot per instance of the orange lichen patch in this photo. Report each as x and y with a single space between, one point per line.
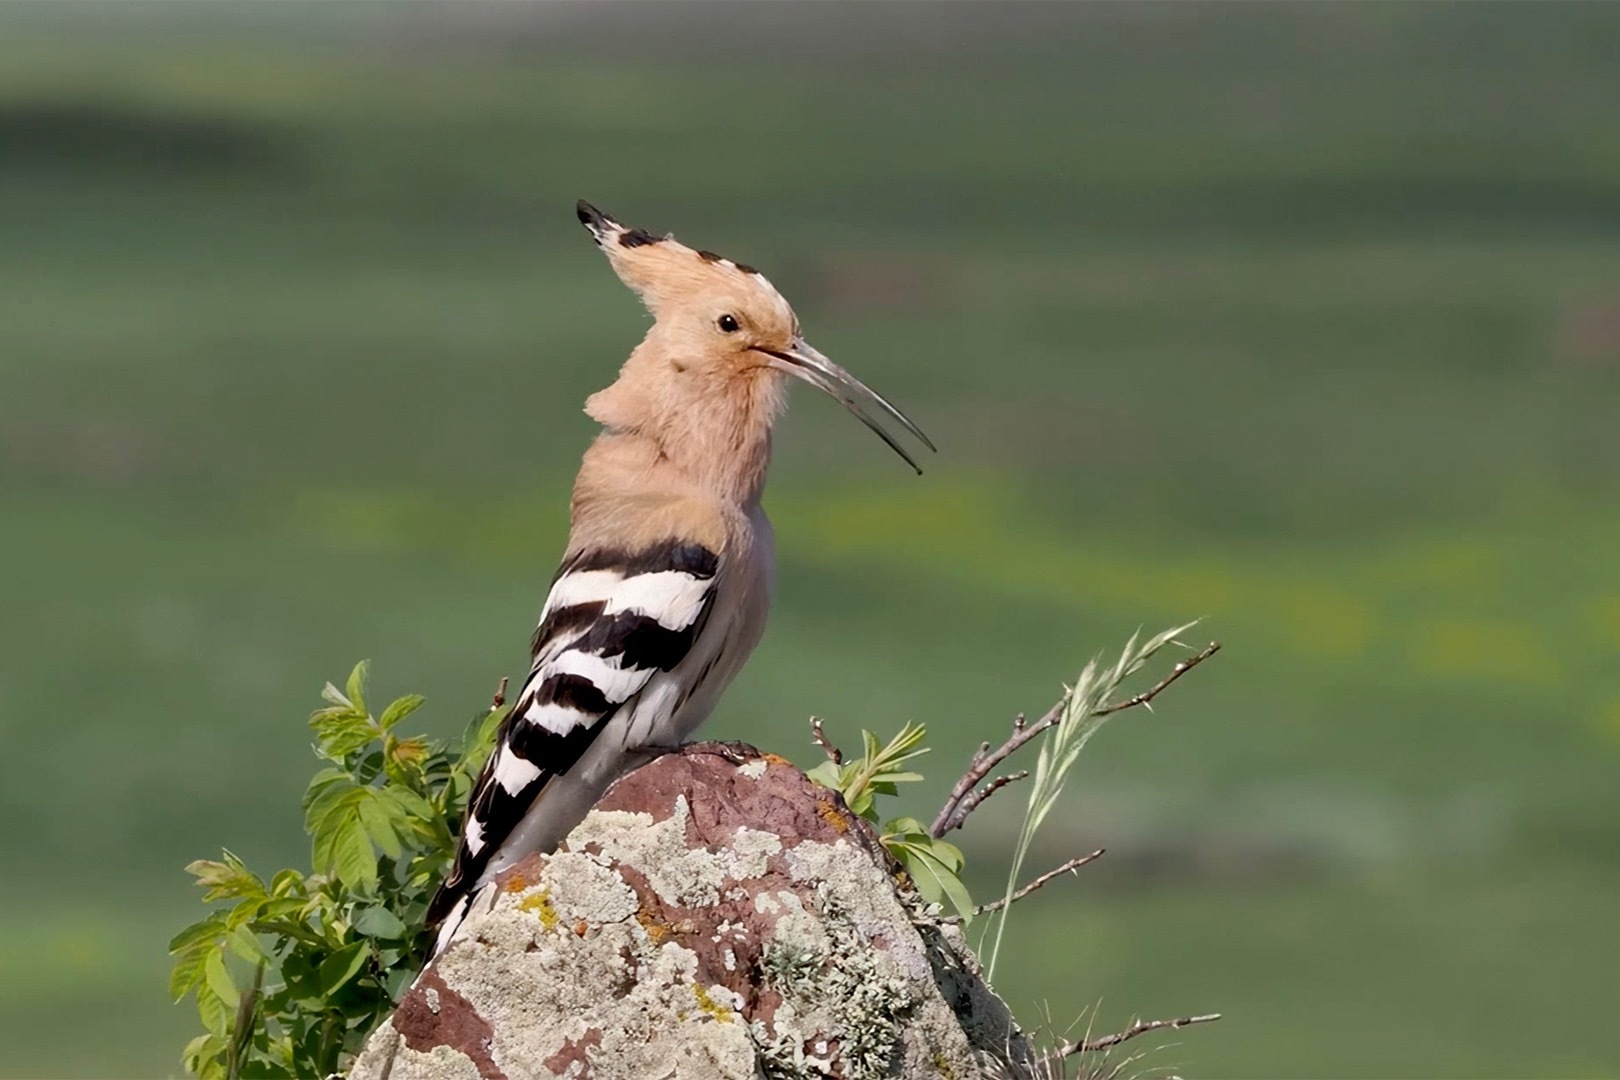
655 929
580 928
515 881
833 816
775 759
540 904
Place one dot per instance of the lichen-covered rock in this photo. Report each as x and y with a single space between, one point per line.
716 916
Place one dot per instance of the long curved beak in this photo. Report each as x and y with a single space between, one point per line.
808 364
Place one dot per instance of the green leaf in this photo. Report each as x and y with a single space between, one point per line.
187 973
949 854
336 970
344 735
860 802
280 908
901 826
827 775
479 740
399 709
378 922
225 880
410 804
335 807
352 859
245 912
958 895
216 1017
287 883
209 929
322 780
379 825
357 685
218 979
892 777
192 947
934 879
244 943
324 796
907 744
202 1050
397 982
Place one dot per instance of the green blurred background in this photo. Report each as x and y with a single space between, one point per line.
1301 319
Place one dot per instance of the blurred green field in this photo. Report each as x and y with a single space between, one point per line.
1304 320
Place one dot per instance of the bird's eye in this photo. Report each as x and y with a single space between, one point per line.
728 324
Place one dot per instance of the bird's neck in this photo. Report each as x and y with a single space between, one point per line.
630 491
714 438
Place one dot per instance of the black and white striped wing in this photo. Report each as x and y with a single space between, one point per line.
612 621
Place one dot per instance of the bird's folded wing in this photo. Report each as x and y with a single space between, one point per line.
613 620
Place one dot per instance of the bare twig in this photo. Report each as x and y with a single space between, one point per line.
985 760
974 798
835 755
500 695
1146 697
965 796
1139 1027
1067 868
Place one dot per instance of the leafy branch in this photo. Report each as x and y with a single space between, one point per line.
329 952
933 865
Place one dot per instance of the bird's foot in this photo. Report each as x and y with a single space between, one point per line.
738 753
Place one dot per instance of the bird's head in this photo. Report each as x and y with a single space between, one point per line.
711 367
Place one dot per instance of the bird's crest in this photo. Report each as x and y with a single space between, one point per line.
667 274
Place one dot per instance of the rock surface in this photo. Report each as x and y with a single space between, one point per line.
716 916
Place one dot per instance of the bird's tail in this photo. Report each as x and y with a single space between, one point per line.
447 911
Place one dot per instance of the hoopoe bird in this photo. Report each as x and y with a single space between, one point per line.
667 577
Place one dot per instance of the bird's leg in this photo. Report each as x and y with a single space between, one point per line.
653 750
